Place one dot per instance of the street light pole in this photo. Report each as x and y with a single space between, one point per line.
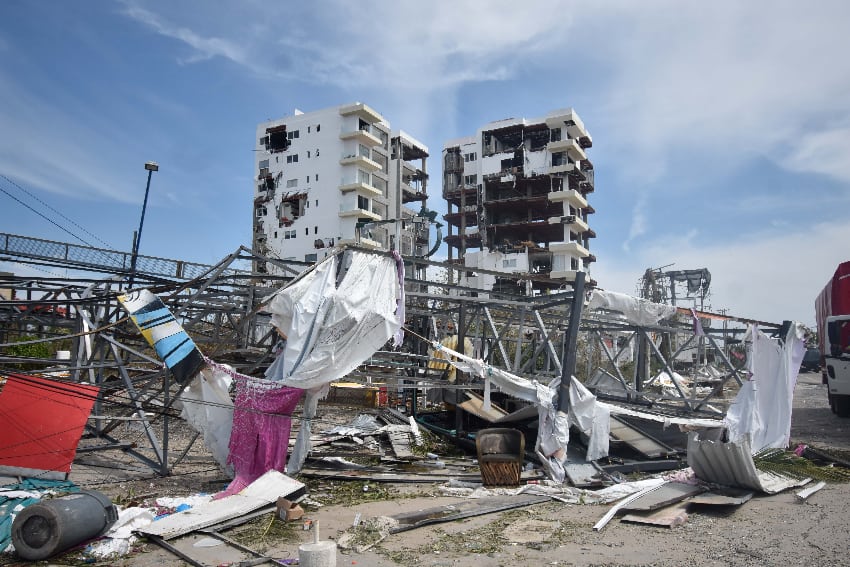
150 166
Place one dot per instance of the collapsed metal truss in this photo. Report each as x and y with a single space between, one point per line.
220 306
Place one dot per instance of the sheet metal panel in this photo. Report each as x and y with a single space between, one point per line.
731 464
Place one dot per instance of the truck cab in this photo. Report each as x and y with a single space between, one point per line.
837 364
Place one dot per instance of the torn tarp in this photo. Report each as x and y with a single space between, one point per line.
331 329
635 310
761 412
207 407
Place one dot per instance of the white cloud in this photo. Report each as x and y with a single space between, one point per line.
727 80
638 226
47 148
825 152
769 276
203 48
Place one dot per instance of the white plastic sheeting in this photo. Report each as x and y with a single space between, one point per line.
331 329
761 412
635 310
553 432
207 407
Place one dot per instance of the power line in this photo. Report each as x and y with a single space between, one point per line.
57 212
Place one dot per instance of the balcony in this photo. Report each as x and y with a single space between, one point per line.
361 161
563 168
573 150
362 137
360 214
573 249
570 195
362 111
361 188
573 222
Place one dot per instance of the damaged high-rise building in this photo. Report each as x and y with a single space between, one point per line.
337 175
517 199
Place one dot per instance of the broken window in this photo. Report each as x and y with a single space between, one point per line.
264 142
555 135
365 151
277 140
363 203
470 179
292 135
559 158
264 164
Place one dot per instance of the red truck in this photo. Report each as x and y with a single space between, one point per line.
832 315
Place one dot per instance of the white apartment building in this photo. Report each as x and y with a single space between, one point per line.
516 193
336 176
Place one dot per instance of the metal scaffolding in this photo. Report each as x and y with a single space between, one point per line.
221 307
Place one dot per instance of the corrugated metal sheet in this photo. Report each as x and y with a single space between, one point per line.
731 464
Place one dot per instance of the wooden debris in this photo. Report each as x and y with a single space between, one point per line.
670 517
724 497
638 440
665 495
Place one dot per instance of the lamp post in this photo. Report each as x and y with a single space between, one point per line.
150 166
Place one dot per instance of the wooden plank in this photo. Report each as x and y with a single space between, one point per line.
475 406
725 497
669 517
667 494
262 492
400 442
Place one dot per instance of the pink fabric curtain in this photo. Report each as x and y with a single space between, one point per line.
262 419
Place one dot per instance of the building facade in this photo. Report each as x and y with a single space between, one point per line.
336 176
516 194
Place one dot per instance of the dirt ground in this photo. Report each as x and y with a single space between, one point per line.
767 530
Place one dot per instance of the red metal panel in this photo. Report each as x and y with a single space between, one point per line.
41 422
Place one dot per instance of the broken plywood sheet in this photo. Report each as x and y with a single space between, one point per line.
724 497
637 440
670 517
667 494
466 509
262 492
475 406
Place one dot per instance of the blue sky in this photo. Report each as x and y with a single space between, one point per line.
721 129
